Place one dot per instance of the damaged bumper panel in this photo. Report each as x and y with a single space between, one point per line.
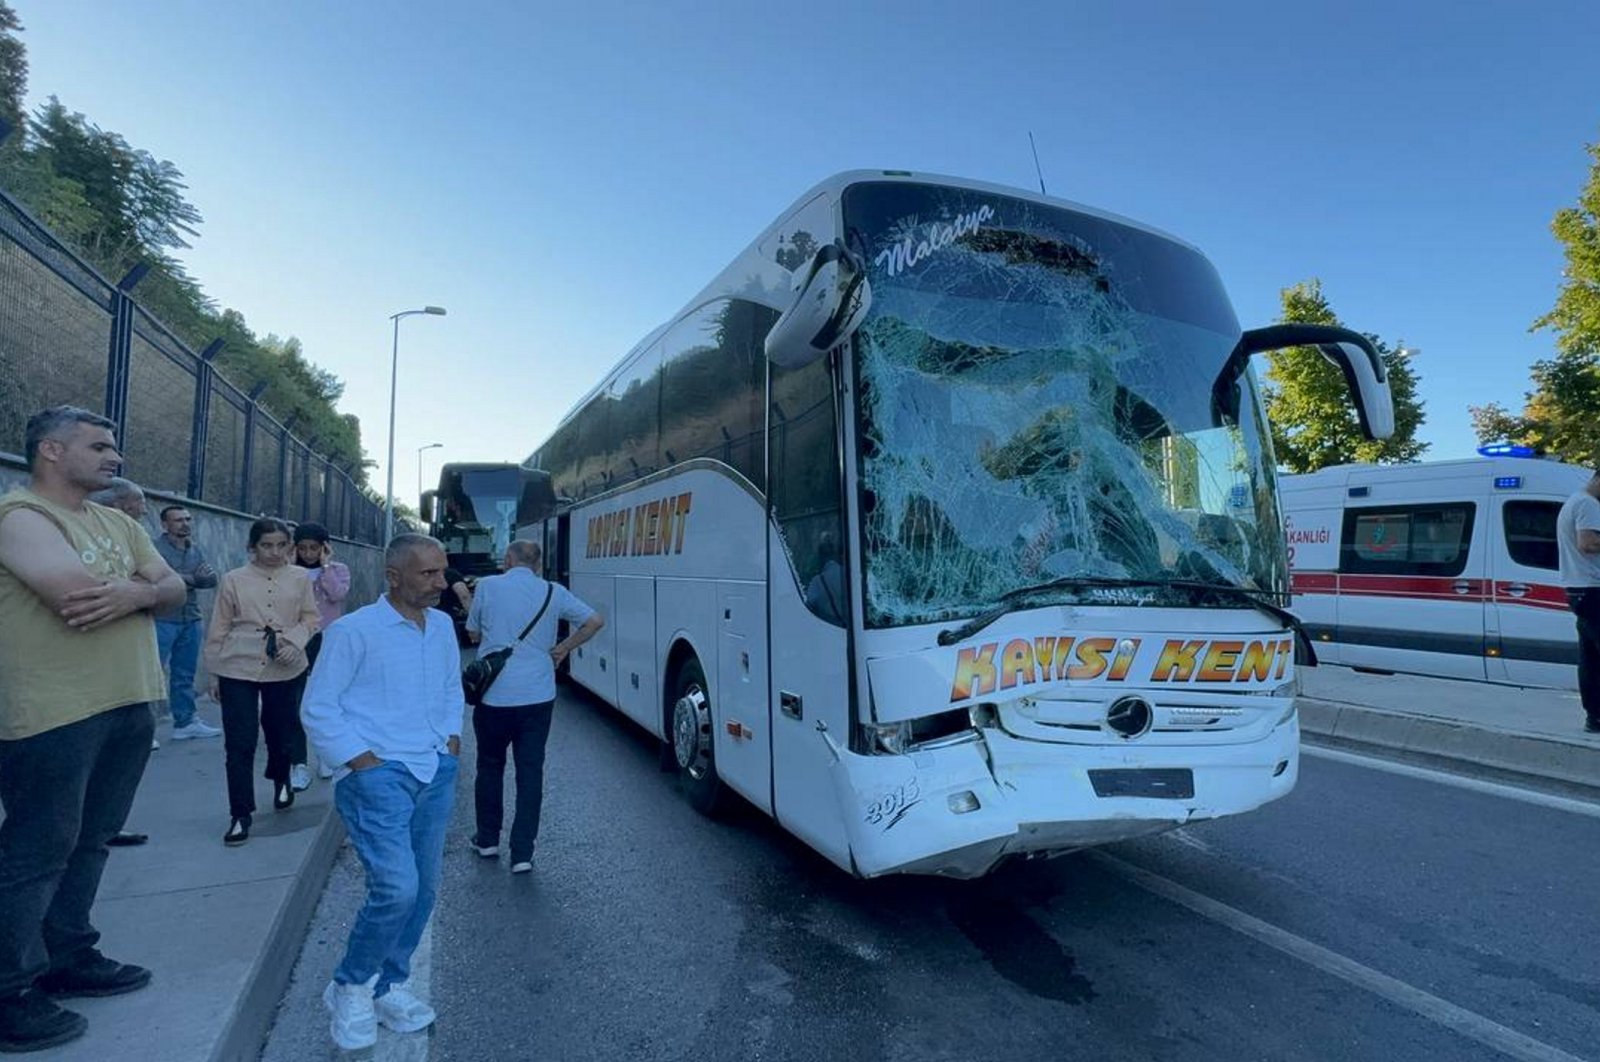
959 810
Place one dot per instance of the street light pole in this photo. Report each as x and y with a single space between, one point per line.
420 451
394 372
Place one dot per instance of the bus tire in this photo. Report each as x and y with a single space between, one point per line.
693 739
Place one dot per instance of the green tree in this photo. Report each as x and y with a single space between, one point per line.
1561 415
1310 407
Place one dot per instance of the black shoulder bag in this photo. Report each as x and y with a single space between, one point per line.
479 675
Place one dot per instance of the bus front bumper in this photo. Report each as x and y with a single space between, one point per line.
959 810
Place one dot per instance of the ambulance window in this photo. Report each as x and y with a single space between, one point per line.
1531 533
1407 540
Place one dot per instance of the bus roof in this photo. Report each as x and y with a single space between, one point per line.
736 278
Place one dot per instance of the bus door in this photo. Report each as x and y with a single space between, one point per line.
808 604
1531 630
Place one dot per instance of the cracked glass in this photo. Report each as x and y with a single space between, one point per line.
1039 400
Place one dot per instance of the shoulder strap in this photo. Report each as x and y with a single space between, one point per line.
549 591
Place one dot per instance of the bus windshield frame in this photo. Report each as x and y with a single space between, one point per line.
1036 404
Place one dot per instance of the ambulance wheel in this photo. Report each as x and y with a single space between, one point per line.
693 740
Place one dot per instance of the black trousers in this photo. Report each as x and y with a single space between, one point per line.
274 707
1585 605
524 728
65 792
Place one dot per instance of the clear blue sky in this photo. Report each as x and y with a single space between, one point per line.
562 177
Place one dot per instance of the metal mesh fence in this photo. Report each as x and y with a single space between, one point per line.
53 342
224 445
264 466
57 346
161 387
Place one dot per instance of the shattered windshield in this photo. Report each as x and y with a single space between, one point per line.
1036 403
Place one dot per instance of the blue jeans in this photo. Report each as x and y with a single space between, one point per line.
179 642
397 826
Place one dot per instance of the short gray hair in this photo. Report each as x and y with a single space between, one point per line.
116 491
401 546
48 423
524 554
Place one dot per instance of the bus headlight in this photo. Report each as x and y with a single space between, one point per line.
890 737
1288 714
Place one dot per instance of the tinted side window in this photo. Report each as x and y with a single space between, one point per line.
1531 533
713 386
805 484
634 398
1407 539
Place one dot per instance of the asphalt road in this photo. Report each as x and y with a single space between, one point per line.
1367 916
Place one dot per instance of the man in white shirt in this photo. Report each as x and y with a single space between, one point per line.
517 709
1578 545
384 703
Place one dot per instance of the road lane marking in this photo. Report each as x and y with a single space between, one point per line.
1468 1023
1477 785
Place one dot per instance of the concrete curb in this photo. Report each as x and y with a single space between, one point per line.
1539 756
252 1015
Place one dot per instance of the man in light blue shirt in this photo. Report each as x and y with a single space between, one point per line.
384 703
1578 552
518 707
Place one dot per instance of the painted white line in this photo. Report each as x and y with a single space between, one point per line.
417 1046
1477 785
1468 1023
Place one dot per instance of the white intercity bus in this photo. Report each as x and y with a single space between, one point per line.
942 527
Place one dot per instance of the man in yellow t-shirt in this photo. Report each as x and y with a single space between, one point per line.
78 668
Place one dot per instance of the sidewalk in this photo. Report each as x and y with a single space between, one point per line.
220 927
1524 731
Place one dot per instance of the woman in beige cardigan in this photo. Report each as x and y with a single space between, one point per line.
255 651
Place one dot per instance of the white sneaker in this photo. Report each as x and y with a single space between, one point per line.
401 1011
355 1023
324 770
154 744
195 728
299 778
522 868
487 851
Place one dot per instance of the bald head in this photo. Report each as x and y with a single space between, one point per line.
521 554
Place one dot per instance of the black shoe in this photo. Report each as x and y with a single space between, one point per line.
124 839
238 831
33 1021
92 974
282 795
1591 726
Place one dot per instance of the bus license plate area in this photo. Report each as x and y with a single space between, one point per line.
1157 783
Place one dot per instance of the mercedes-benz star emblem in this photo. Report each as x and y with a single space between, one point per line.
1129 717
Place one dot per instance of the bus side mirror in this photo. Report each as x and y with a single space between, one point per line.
425 509
831 300
1352 352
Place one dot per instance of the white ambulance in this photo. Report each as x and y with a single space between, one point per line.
1444 568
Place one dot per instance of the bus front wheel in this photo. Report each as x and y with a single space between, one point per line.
693 738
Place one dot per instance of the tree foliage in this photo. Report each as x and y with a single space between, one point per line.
1310 407
116 206
1561 414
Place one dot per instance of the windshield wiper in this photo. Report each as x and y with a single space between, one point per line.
1099 582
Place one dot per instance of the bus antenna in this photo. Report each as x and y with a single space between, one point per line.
1036 167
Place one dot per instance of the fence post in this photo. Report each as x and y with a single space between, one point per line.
201 428
249 446
119 355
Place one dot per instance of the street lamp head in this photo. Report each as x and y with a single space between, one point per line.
437 311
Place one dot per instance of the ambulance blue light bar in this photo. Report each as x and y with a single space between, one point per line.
1507 450
1507 482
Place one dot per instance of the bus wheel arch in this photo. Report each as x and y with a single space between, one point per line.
689 726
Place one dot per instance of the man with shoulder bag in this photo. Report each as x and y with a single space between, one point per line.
514 619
